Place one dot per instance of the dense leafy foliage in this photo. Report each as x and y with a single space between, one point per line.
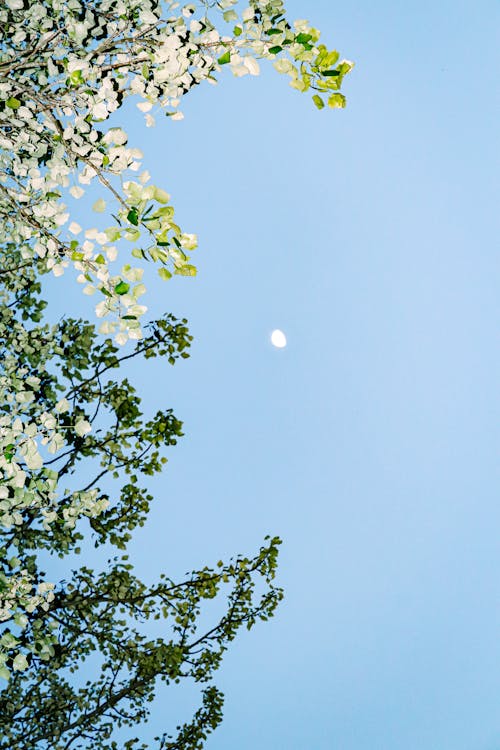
66 66
74 443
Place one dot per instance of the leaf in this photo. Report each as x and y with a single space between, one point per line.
225 58
13 103
275 50
161 196
76 77
20 663
133 216
303 38
331 58
9 451
82 428
99 206
336 101
318 101
186 270
164 274
157 254
122 287
112 233
132 234
345 67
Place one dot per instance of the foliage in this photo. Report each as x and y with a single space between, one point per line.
65 67
74 442
92 419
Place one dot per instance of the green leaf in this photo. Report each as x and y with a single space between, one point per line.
276 49
161 196
76 77
164 211
13 103
122 287
157 254
112 233
303 38
133 216
237 31
9 451
186 270
331 58
330 73
345 67
225 58
132 234
318 101
164 274
336 101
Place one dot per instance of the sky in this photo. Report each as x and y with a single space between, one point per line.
369 444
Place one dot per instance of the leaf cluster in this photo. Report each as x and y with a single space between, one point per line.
95 622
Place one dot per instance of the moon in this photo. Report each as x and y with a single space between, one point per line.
278 339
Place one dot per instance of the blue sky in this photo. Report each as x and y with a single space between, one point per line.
370 443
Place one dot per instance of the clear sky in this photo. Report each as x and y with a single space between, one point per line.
369 443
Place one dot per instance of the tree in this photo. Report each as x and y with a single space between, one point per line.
73 441
66 67
52 630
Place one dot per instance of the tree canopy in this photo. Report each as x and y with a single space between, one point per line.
75 446
66 67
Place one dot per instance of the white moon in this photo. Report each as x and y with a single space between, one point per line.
278 339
